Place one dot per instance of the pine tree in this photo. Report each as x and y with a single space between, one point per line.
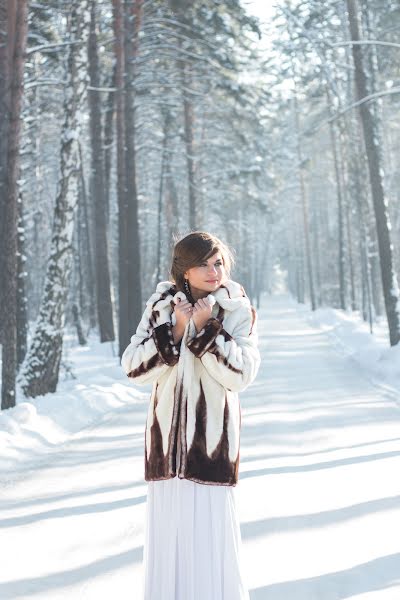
13 27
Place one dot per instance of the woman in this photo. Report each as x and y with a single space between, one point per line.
197 344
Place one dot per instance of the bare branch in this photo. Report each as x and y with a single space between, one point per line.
364 42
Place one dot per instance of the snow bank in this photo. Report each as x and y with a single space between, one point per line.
351 336
92 385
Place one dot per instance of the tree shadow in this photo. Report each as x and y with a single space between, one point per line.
33 586
68 511
265 527
377 574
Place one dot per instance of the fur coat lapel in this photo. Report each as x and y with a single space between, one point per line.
229 296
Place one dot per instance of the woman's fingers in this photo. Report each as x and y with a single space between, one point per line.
203 304
183 309
184 306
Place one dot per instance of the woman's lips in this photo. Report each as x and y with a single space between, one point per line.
211 280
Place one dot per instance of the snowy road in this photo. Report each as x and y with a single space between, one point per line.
319 491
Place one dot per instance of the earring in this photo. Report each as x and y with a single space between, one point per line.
187 286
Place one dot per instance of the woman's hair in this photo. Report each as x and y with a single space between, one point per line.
194 249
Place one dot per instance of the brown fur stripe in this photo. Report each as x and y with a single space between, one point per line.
243 292
164 341
253 315
153 319
156 465
156 313
220 315
146 366
205 338
227 336
169 292
215 469
222 359
172 440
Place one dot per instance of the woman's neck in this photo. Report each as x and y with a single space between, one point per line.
197 294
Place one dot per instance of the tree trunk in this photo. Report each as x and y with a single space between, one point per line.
179 8
365 264
8 15
161 199
86 248
350 258
14 20
40 371
108 141
304 205
103 291
76 316
389 280
188 116
170 192
22 313
340 210
123 254
133 280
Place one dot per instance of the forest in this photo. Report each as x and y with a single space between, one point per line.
125 124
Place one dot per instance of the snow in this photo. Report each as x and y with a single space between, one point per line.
350 336
318 495
36 426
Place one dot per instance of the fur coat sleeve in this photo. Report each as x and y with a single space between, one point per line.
232 359
152 350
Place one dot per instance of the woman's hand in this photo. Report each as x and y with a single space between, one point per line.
202 311
183 311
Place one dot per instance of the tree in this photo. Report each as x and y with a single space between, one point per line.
13 36
40 370
103 291
390 286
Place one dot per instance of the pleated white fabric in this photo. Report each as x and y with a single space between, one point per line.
192 542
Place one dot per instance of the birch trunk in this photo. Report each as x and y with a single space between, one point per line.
40 371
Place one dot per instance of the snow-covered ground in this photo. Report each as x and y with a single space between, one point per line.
351 336
319 491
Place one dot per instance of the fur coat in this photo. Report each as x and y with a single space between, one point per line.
194 418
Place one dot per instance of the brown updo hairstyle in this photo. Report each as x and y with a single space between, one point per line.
194 249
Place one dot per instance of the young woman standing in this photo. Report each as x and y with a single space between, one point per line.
197 344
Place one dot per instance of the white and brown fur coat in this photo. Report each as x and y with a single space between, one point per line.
193 421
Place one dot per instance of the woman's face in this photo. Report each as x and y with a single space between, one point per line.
209 275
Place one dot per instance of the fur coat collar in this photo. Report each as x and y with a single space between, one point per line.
193 421
230 295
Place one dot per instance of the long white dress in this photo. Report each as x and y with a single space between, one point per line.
192 542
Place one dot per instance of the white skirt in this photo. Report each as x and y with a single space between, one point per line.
192 542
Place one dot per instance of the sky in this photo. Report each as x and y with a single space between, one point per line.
263 9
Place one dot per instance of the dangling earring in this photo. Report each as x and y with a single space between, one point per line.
189 293
187 287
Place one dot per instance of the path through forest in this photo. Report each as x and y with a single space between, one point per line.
319 492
